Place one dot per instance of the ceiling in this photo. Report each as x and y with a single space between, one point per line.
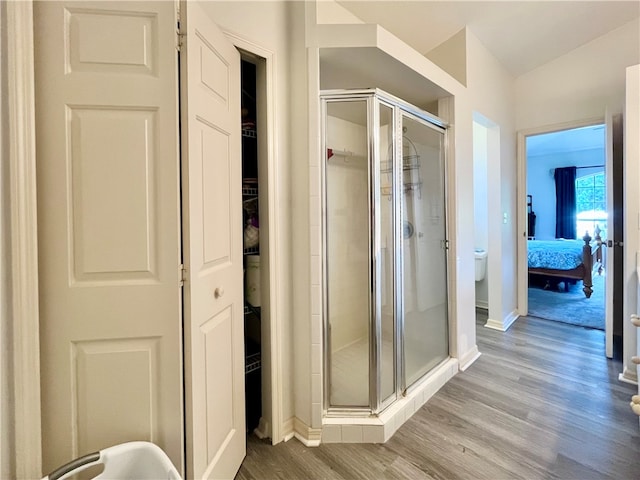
522 35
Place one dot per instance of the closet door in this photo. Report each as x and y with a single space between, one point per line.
108 226
214 317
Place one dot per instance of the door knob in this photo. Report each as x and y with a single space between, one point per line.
635 320
218 292
635 360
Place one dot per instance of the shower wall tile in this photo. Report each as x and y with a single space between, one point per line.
316 329
351 421
314 211
316 270
316 359
389 429
316 415
331 434
315 240
316 300
373 433
399 419
314 181
316 388
410 409
352 433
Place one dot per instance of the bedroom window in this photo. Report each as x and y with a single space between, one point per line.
591 206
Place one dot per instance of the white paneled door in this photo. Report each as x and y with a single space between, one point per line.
609 253
109 226
214 337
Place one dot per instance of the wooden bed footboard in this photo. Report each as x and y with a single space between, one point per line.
591 257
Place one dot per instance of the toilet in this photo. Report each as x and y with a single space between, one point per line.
481 264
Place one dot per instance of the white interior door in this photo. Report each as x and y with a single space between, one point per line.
109 226
608 253
212 232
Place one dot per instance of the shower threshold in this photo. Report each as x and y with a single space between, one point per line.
379 429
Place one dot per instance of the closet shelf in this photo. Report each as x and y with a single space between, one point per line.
249 132
251 250
249 191
252 362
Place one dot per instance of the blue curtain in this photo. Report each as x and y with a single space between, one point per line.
565 202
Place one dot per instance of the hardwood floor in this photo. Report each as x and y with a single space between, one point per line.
541 402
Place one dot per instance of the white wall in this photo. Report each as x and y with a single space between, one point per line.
331 12
267 24
451 56
541 184
491 94
6 399
580 84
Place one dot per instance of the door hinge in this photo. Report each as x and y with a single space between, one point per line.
180 38
444 244
182 274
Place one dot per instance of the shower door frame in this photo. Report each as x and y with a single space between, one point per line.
375 98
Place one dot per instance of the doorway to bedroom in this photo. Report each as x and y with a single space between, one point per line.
570 205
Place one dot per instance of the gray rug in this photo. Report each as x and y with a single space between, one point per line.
572 306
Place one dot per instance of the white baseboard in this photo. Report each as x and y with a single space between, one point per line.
287 430
504 324
468 358
310 437
628 376
482 304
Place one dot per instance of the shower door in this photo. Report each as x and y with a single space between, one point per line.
384 248
424 265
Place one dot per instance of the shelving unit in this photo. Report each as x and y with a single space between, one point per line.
251 249
411 180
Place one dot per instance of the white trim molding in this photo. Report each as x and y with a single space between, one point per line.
310 437
628 376
469 358
504 324
24 241
287 429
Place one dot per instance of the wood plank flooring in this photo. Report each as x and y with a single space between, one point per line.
542 402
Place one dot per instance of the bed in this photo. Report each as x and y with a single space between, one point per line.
567 260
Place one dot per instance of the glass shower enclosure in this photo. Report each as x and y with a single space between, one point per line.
385 249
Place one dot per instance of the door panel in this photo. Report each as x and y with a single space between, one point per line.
609 255
615 264
212 229
110 153
108 226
